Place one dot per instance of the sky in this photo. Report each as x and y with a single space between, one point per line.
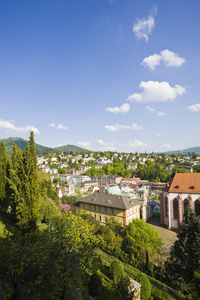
120 75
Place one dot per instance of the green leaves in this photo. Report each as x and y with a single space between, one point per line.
185 255
139 237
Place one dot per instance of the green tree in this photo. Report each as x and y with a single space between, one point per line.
50 263
116 270
184 257
24 186
123 289
146 286
140 237
3 174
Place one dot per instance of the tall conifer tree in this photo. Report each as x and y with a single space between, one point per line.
15 180
3 174
24 186
30 206
185 254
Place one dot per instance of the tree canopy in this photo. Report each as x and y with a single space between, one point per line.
184 258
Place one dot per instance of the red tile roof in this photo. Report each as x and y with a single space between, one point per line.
185 183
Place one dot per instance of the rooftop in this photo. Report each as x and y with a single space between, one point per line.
114 201
185 183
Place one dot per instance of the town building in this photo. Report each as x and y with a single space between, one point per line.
104 180
113 204
183 190
87 185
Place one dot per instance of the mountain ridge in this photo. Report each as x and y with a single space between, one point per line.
21 143
195 150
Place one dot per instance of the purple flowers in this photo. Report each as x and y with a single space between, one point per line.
65 207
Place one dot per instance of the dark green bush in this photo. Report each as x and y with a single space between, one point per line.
146 286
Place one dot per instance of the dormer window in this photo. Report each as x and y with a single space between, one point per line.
109 201
176 187
94 199
191 187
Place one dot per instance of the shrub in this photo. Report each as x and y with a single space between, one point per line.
146 286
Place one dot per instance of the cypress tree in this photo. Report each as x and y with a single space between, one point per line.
24 186
3 174
30 206
15 177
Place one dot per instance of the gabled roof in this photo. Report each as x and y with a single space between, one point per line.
113 201
185 183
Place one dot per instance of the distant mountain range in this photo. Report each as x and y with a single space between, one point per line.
21 143
195 150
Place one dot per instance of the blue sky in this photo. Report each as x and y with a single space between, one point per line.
102 74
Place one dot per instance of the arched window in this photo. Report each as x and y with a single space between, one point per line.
175 208
197 207
166 206
185 204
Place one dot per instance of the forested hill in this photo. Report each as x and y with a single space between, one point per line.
195 150
21 143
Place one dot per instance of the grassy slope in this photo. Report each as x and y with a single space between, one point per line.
132 272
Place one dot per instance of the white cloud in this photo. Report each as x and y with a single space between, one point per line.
169 58
106 145
152 61
124 108
60 126
194 107
154 91
7 125
117 127
84 144
150 109
137 143
102 143
167 146
143 27
161 114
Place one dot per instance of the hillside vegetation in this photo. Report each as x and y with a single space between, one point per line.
21 143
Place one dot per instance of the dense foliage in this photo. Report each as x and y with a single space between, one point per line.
50 263
140 237
185 254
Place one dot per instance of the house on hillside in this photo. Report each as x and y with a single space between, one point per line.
183 190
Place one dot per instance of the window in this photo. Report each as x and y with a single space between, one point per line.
175 207
105 219
166 206
112 211
185 204
95 216
99 208
99 218
94 207
83 205
197 207
90 206
105 210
